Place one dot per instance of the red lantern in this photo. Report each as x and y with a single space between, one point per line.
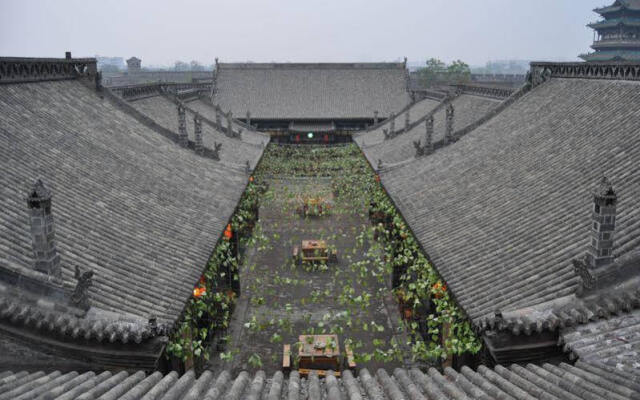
326 138
298 138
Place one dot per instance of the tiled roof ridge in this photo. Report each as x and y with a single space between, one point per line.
513 382
286 65
596 308
408 107
25 69
224 129
607 70
70 327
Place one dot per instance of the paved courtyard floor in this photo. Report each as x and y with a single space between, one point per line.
281 300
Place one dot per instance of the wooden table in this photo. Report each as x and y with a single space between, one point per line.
314 250
320 353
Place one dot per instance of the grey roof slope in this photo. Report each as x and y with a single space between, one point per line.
164 112
130 204
502 212
208 111
311 91
468 109
614 342
376 134
582 381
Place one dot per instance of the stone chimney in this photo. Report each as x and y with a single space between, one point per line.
428 143
595 268
407 118
448 132
183 137
248 117
45 252
375 117
603 224
197 127
67 55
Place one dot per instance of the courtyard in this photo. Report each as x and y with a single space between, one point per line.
283 298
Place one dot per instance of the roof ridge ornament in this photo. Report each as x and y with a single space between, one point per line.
80 295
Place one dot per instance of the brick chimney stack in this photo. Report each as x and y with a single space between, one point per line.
45 252
603 225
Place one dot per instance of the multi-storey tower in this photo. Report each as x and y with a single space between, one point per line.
617 34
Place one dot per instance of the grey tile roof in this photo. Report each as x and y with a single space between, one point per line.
619 296
60 322
468 109
614 342
502 212
311 91
140 211
164 112
563 381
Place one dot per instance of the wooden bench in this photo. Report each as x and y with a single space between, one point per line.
351 363
286 357
320 372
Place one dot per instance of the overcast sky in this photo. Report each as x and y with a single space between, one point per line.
160 32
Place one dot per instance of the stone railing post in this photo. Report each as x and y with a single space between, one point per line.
448 133
218 118
230 124
428 143
183 137
197 125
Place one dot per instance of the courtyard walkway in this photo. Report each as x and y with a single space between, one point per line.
281 300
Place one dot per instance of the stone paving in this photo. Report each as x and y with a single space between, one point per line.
281 300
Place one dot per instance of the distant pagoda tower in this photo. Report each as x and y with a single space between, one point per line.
617 35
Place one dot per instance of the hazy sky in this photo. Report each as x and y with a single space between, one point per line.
160 32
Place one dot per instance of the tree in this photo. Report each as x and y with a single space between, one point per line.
458 72
433 73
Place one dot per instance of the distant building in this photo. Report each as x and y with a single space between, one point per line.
134 64
617 35
311 102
